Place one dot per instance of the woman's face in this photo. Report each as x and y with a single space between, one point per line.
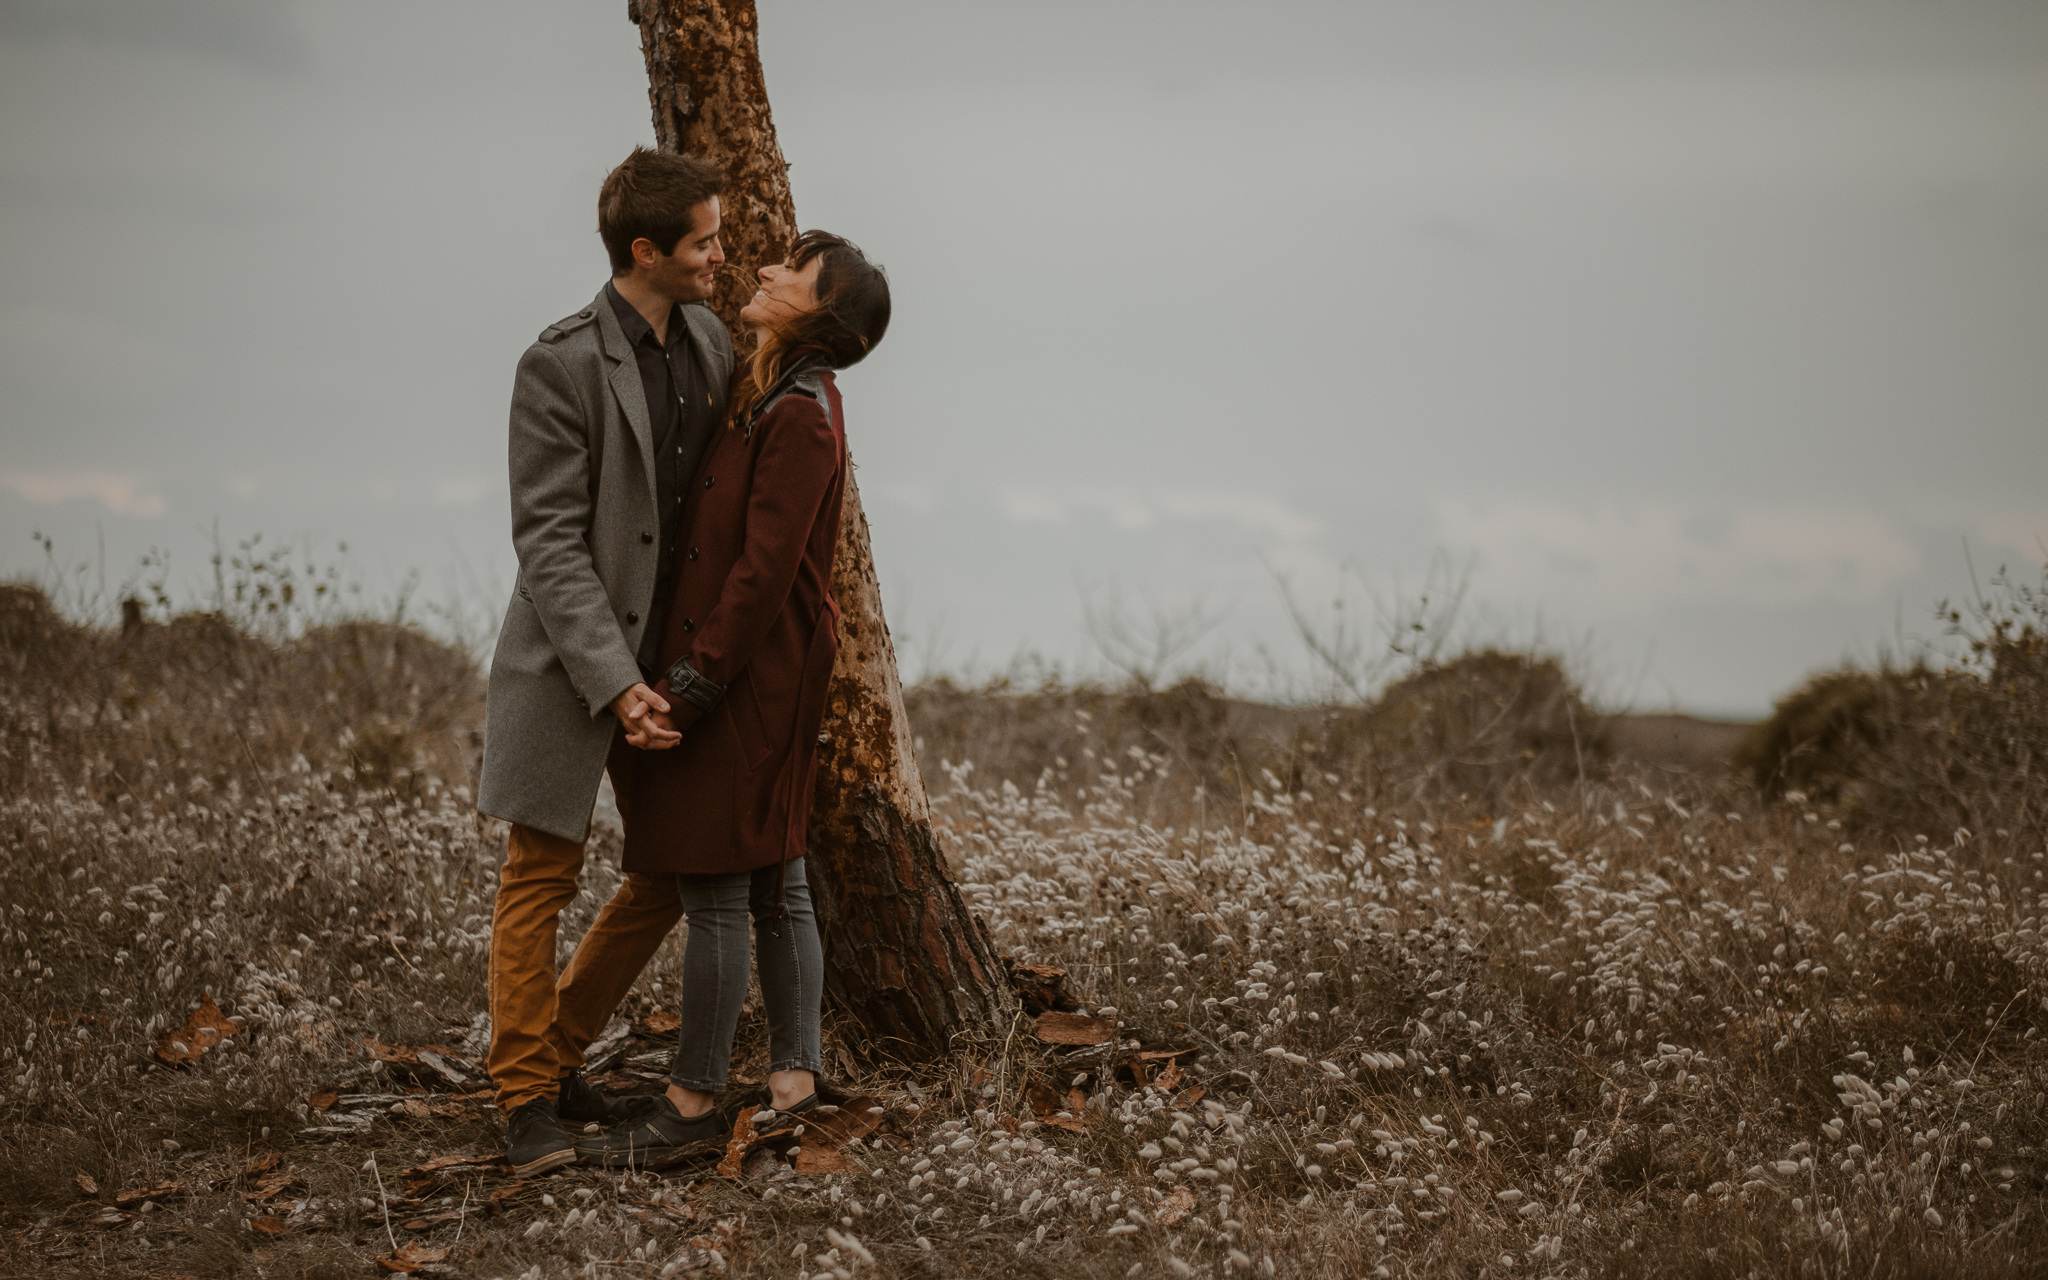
786 292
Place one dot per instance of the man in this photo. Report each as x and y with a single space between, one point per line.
611 410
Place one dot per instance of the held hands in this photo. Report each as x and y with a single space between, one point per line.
646 717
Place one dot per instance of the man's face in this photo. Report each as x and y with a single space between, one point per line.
690 273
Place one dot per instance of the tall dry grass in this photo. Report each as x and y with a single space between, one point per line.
1455 992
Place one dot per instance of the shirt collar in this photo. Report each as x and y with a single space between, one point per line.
636 326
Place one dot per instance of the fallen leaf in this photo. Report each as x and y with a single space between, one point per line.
398 1054
442 1164
74 1017
1074 1028
412 1257
660 1023
1189 1096
269 1188
269 1226
1077 1101
87 1186
503 1195
1174 1207
161 1191
207 1027
261 1164
1052 1109
322 1100
1168 1078
736 1148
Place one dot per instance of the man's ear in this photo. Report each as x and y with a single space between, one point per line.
645 255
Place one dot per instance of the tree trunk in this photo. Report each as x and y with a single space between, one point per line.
904 956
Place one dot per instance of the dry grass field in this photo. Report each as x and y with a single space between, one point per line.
1444 985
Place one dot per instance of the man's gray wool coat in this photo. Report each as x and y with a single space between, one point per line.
585 527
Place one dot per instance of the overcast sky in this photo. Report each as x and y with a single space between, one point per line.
1701 337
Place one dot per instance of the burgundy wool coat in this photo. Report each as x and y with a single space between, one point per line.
753 611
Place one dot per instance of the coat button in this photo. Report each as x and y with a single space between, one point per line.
689 624
632 617
646 537
709 481
693 553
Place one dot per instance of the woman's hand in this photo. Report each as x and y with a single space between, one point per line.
676 716
645 715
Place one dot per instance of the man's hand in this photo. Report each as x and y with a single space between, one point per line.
645 715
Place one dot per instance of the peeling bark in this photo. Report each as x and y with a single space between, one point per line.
905 958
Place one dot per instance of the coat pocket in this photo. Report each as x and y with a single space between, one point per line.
758 741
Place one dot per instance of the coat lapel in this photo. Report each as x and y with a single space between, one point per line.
715 364
626 388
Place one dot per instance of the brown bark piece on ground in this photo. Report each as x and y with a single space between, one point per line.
268 1225
262 1163
86 1186
1075 1029
1041 988
207 1027
731 1163
906 959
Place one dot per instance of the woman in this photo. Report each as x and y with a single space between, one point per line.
747 653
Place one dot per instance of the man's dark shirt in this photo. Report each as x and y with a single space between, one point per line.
679 413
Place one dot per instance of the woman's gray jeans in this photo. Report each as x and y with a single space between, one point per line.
715 972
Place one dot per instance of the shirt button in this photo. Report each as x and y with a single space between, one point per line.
632 617
647 537
689 624
693 553
709 481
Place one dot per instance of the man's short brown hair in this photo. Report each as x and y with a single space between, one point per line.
650 197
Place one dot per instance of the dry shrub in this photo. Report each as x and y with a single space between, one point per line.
1455 1003
1484 728
152 704
1926 748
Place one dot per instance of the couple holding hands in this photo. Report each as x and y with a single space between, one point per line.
675 508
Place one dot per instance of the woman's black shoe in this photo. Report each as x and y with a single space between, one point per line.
769 1119
658 1138
579 1101
535 1141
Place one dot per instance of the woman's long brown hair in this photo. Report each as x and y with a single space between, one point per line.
851 316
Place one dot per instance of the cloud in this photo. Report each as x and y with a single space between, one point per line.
460 490
1635 557
1137 513
123 494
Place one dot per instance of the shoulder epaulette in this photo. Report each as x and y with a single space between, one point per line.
568 325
